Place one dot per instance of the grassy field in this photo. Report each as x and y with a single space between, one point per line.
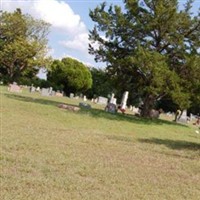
48 153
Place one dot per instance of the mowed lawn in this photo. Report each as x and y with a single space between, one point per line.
48 153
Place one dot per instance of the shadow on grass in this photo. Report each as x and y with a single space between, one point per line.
119 138
36 100
97 113
128 117
173 144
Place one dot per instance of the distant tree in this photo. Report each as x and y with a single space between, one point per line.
102 85
23 44
69 75
151 48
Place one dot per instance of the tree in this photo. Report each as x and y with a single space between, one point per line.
101 84
69 75
150 47
23 44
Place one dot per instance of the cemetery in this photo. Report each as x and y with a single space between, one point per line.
100 100
58 139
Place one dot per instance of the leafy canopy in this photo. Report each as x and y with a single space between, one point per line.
23 44
70 75
150 46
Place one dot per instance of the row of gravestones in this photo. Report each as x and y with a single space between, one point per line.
111 106
51 92
46 91
99 100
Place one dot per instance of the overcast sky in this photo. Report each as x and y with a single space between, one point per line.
70 23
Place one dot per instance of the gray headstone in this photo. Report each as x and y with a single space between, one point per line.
53 93
183 117
112 108
102 100
45 92
50 90
84 105
32 89
71 95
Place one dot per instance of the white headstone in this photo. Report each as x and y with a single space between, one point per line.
84 98
124 100
115 101
71 95
112 98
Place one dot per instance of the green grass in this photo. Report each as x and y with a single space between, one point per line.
48 153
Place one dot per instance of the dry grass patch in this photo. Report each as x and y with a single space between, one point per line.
54 154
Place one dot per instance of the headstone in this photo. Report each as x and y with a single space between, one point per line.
124 100
38 89
84 105
102 100
58 94
71 95
84 98
53 93
112 108
192 117
115 101
14 88
50 90
96 100
183 117
112 98
45 92
154 114
32 88
76 97
135 110
169 114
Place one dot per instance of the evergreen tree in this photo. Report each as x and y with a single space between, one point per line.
151 48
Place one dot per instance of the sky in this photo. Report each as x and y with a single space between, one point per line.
70 24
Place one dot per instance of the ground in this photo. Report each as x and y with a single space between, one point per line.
49 153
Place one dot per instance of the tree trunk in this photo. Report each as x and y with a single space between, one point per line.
148 105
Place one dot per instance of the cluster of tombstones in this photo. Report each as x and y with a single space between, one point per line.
110 104
46 91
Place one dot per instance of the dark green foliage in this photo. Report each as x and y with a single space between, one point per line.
23 45
152 49
101 84
69 75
